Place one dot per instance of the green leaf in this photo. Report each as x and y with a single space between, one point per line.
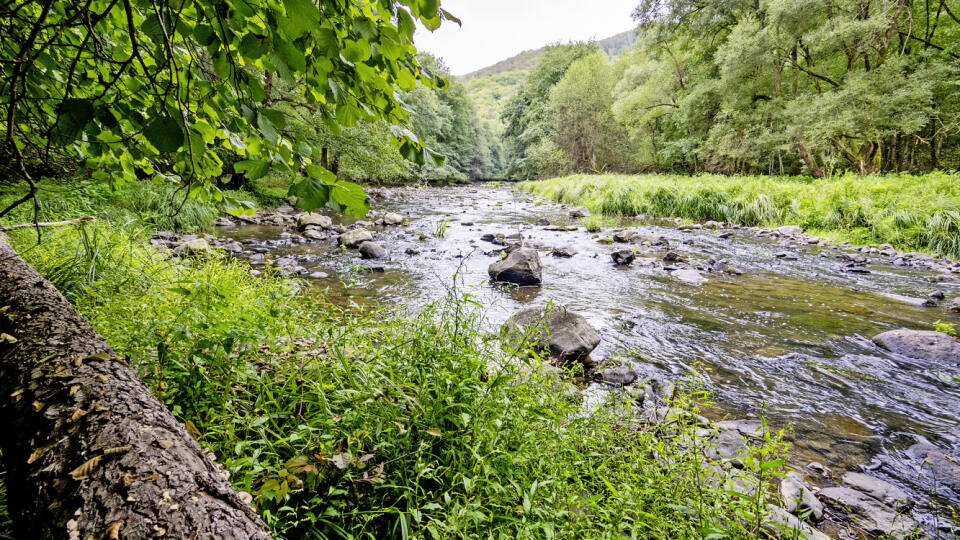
405 24
327 43
449 16
351 198
428 8
267 128
75 114
311 193
290 55
165 133
252 168
431 23
356 51
277 118
301 17
253 46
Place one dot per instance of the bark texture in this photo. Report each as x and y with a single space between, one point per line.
89 451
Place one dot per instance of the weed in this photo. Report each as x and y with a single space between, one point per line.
947 328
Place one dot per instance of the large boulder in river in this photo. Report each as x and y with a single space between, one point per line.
868 513
521 266
934 347
567 336
942 469
372 250
318 220
353 238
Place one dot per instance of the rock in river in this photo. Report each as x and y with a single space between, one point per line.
799 499
319 220
623 257
943 470
689 275
568 336
522 266
392 218
564 252
355 237
869 514
883 491
372 250
934 347
579 212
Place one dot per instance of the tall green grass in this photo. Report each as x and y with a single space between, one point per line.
347 425
910 212
143 204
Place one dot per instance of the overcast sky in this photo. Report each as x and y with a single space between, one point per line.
495 30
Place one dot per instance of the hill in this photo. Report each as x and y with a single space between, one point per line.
491 87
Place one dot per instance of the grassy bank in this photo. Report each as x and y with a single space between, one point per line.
910 212
346 425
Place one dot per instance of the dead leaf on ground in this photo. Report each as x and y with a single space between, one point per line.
83 471
38 453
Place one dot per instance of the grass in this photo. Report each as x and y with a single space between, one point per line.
909 212
140 204
370 425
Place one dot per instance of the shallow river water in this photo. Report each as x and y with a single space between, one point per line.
786 339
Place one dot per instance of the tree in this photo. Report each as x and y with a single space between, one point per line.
140 88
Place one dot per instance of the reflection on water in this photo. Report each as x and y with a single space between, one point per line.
785 339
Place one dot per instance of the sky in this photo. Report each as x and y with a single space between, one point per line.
495 30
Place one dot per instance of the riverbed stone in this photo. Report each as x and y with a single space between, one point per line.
618 376
869 514
623 257
624 236
579 212
372 250
392 219
354 237
913 301
927 345
566 335
798 497
790 230
314 234
954 305
941 468
564 252
778 516
193 246
689 275
319 220
522 267
881 490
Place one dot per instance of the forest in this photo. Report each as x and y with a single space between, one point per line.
270 269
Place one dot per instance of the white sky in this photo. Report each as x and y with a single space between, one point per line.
495 30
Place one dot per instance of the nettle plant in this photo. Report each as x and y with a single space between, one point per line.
169 90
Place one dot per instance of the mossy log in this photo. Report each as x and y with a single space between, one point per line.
89 451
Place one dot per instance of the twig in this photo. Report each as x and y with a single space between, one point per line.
47 224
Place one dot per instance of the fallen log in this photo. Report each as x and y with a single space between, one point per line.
89 451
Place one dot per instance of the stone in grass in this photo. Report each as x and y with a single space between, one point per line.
567 336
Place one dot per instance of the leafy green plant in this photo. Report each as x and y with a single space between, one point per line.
947 328
440 229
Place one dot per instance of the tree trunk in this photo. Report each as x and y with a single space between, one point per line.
89 451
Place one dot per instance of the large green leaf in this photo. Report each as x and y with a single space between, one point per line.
165 133
252 168
301 17
311 193
74 116
350 198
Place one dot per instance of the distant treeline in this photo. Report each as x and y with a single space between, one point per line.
747 86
